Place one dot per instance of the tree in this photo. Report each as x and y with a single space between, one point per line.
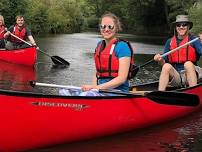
11 8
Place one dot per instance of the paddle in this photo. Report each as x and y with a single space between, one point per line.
161 97
56 59
163 55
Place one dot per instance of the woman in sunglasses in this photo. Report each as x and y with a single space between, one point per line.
113 57
180 69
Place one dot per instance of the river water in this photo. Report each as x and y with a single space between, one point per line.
181 135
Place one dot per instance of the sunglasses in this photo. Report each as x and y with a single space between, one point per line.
181 24
110 27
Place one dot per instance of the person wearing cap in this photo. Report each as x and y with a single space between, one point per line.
180 68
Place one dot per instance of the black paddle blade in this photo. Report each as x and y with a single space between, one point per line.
59 61
173 98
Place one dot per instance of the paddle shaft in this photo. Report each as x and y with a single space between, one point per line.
27 43
160 97
169 52
53 85
37 49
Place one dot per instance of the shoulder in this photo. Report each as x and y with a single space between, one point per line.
123 44
122 49
167 45
168 41
27 28
196 42
99 42
28 31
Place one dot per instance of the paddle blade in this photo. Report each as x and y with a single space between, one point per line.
59 61
173 98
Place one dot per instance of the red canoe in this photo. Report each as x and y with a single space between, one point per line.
30 120
25 56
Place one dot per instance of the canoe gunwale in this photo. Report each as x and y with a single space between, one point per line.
40 95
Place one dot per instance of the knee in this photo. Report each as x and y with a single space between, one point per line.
166 67
188 65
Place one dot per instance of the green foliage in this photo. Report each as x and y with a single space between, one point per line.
64 16
178 7
147 15
37 16
11 8
67 16
195 14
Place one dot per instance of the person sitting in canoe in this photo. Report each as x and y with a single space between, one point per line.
113 58
2 31
180 67
21 31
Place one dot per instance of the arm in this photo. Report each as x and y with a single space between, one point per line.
7 34
31 39
197 44
200 37
158 57
124 64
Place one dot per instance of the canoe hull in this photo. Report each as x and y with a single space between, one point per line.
25 56
42 120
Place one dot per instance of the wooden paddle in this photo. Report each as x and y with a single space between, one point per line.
163 55
161 97
56 59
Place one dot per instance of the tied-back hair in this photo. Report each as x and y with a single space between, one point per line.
2 18
115 19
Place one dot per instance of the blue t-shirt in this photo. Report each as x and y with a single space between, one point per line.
179 66
121 50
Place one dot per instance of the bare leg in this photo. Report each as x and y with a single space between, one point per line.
167 72
190 73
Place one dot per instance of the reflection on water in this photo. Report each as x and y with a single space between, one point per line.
182 135
16 77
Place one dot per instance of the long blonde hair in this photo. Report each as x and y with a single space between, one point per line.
2 19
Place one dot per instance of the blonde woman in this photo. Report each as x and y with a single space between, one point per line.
113 57
2 31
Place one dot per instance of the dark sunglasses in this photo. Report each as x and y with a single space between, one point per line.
110 27
181 24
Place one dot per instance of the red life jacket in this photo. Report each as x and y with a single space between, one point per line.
2 31
182 55
19 33
106 62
